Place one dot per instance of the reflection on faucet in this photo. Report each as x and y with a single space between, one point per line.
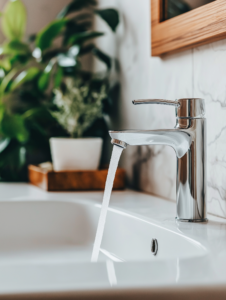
188 139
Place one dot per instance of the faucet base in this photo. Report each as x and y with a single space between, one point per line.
192 220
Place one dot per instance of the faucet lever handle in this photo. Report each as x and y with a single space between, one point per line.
156 101
185 107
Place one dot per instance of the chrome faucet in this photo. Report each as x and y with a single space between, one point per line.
188 139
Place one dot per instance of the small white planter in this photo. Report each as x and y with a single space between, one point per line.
76 154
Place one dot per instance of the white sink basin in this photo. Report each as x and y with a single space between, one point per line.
48 232
46 241
44 231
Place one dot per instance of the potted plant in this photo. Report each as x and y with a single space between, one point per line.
78 104
30 70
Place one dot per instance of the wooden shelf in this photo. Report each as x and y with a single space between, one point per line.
50 180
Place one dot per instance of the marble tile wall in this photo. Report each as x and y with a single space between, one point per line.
200 72
209 77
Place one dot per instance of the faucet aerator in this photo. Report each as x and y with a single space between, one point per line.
119 143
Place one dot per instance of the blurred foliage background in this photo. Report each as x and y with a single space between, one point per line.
34 70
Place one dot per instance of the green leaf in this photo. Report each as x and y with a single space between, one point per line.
110 16
13 127
73 27
74 6
7 79
14 20
46 36
24 76
2 111
43 80
58 77
16 48
103 57
30 113
83 36
5 64
39 120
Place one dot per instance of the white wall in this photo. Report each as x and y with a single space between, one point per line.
199 72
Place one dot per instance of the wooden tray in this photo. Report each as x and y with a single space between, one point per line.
49 180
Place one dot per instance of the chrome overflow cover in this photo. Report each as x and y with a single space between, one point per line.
154 246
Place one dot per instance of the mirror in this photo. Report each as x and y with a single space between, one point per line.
173 8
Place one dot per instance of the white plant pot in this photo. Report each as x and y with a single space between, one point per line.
76 154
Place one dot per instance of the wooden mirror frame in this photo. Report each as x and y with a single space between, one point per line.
199 26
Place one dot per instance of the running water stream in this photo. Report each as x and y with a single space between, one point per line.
116 153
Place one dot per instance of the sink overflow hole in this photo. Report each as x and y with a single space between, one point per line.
154 246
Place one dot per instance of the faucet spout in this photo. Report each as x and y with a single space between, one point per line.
179 140
188 139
